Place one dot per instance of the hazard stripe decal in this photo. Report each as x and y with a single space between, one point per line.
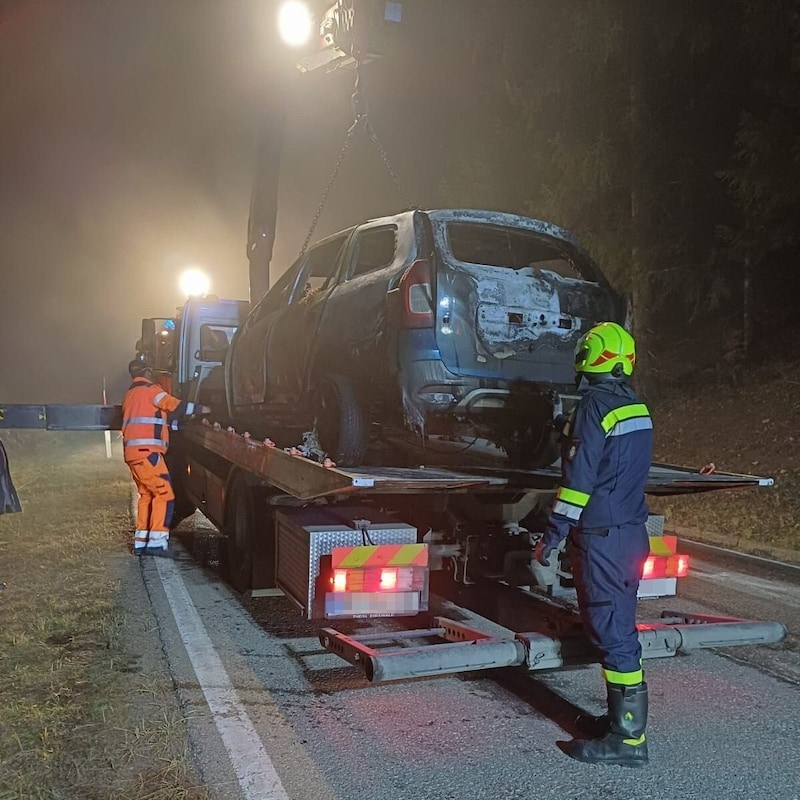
381 555
660 546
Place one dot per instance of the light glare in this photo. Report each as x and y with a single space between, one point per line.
194 282
295 23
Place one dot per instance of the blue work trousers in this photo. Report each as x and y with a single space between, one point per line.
607 566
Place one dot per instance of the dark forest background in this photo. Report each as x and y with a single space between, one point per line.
667 136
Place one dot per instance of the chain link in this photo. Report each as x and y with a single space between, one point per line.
360 121
388 164
318 213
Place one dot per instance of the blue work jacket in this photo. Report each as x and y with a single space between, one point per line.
607 448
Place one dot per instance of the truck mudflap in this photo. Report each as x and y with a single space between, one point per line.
461 648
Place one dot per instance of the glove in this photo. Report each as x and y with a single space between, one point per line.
542 553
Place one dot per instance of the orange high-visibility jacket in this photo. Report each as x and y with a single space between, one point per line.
147 411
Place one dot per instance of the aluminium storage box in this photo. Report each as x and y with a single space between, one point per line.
304 535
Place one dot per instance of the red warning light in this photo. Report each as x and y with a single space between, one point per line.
339 580
388 579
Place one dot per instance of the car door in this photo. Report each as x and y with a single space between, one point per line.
246 364
294 327
352 331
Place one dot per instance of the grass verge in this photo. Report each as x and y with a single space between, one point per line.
747 427
86 711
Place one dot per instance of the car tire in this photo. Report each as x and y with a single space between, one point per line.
339 421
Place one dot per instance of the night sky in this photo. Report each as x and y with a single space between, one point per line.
127 144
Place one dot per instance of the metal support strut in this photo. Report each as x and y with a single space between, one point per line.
466 649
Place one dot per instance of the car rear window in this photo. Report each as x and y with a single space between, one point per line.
512 248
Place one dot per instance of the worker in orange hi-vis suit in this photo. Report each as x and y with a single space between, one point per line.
148 412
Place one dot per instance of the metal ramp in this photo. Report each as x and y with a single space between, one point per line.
464 649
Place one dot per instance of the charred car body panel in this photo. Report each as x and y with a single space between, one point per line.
436 329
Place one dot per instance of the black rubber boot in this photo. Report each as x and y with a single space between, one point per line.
625 743
595 727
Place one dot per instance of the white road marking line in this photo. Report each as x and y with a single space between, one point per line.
254 770
786 593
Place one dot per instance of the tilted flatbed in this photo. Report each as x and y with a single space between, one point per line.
307 479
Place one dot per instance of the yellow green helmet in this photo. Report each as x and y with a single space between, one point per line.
606 349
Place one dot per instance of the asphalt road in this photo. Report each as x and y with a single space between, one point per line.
299 723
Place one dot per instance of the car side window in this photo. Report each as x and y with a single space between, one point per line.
319 269
278 296
375 248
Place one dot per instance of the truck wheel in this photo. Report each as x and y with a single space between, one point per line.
242 523
340 423
183 507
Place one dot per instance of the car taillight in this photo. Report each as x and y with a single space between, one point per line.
649 566
417 292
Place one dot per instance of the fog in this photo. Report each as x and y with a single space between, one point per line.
127 145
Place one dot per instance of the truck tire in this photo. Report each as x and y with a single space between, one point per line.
242 525
340 423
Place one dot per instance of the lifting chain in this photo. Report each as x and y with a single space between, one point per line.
360 121
326 191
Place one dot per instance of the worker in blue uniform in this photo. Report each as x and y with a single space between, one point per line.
607 447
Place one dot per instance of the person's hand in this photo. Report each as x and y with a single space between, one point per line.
542 552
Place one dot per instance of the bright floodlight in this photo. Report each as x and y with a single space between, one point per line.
295 23
194 282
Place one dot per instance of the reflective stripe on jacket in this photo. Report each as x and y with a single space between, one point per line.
605 462
147 411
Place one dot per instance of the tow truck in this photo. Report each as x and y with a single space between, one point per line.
363 542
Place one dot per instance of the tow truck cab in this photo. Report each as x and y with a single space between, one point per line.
187 351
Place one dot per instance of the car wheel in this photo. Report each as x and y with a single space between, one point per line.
339 421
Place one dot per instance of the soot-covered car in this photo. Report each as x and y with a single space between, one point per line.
446 334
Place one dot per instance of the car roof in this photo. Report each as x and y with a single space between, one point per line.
469 215
505 219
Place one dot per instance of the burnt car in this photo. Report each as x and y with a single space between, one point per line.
447 335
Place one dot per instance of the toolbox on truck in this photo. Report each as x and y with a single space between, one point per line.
344 562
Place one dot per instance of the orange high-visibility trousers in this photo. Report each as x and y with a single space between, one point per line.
156 501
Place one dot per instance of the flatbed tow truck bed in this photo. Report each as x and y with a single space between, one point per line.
447 646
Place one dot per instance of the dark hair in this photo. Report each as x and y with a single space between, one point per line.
138 368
